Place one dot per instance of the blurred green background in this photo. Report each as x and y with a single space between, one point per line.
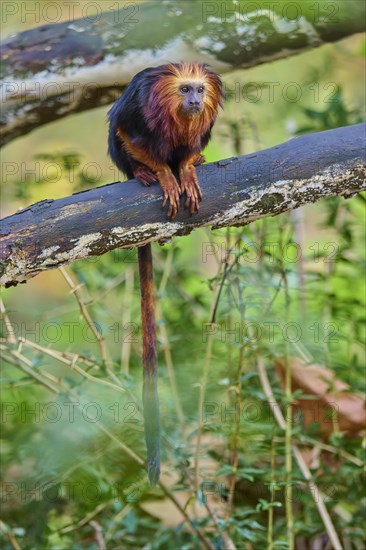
65 468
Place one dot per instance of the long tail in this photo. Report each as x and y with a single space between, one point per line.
149 359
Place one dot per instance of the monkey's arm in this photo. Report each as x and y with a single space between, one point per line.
162 171
188 177
189 182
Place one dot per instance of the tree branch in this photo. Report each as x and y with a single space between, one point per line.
55 70
236 191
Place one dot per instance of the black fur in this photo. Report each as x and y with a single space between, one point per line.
127 112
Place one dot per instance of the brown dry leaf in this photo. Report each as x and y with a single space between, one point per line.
334 407
213 489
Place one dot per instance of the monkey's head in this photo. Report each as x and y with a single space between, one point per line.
186 90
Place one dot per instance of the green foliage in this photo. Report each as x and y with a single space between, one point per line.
334 115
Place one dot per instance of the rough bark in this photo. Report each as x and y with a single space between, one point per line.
57 69
236 191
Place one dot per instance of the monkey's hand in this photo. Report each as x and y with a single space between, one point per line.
189 184
144 174
171 190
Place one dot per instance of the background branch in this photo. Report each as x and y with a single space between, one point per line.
58 69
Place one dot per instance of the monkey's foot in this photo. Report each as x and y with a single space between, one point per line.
144 174
199 160
190 185
171 192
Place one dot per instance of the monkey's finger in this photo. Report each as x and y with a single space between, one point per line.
174 203
198 190
172 211
191 204
188 199
195 196
194 207
176 198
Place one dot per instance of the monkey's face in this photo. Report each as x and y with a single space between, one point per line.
191 98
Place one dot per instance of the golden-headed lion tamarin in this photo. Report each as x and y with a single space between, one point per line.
158 128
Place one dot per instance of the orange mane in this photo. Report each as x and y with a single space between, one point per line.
163 112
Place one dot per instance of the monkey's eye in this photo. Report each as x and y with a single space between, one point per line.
184 89
200 90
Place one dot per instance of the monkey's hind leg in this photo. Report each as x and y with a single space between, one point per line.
199 160
144 174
